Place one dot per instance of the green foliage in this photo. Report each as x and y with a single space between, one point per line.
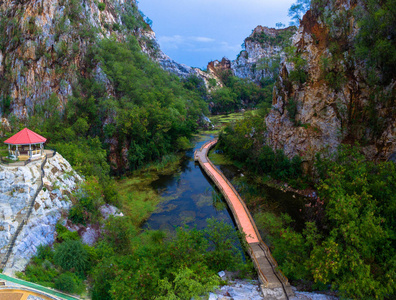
298 74
167 268
91 197
151 106
131 17
186 285
297 10
86 156
6 103
376 40
63 234
225 99
282 38
244 141
71 255
44 271
67 282
212 82
40 274
292 110
239 93
349 241
73 10
287 246
44 252
101 6
183 143
194 83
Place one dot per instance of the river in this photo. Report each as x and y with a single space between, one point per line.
188 196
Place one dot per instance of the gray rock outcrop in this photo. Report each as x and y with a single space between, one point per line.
263 48
329 101
17 186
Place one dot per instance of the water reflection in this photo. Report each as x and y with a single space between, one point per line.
188 197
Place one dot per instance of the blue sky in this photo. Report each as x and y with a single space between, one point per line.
194 32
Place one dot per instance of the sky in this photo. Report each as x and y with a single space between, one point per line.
195 32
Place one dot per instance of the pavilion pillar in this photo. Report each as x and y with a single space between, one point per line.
16 151
30 151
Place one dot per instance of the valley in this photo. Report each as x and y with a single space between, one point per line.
305 121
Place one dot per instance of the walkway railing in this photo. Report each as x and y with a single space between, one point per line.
282 278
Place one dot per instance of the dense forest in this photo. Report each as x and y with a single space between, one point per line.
349 238
348 241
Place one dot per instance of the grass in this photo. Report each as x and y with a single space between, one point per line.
219 121
3 152
219 159
138 198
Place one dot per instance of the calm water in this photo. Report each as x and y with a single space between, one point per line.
273 199
189 197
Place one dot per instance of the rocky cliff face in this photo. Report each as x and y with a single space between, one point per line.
264 49
183 71
323 96
17 187
44 47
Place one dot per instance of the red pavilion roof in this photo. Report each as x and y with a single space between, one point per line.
25 137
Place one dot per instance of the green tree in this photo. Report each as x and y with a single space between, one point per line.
297 10
71 255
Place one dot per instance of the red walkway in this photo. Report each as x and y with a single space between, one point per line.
265 264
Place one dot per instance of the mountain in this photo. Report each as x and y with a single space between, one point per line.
335 87
260 59
76 70
45 47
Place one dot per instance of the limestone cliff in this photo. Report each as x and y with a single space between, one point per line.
17 187
263 51
45 47
323 96
181 70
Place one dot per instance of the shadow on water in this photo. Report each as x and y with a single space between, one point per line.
273 199
188 197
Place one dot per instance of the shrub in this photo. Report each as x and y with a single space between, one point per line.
183 143
65 234
292 110
44 252
71 255
101 6
65 282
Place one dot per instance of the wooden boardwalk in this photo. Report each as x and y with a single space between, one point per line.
273 283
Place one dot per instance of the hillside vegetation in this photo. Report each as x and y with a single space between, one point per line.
348 241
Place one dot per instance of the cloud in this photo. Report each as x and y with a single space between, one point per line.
195 44
202 39
178 41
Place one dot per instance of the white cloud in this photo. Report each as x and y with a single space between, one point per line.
185 39
196 44
183 42
202 39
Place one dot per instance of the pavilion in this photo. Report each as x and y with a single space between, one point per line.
26 144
